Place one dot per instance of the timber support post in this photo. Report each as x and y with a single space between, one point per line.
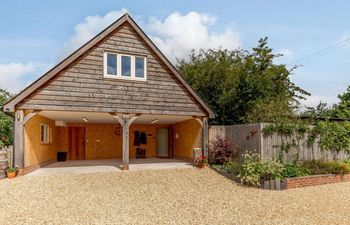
203 122
125 121
19 146
205 143
19 141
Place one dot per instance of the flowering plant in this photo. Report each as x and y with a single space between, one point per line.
11 169
202 159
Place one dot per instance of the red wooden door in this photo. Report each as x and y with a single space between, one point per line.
76 137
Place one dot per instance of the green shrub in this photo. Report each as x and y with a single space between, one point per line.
232 166
327 167
271 170
253 170
294 170
337 167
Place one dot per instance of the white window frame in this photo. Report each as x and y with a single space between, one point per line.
119 66
45 139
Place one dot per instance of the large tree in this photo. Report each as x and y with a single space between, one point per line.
242 86
6 121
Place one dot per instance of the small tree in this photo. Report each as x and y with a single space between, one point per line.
221 150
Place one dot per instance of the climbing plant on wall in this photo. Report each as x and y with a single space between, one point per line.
331 136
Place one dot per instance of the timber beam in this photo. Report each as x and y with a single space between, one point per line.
125 121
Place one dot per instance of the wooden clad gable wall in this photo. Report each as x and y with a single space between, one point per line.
82 87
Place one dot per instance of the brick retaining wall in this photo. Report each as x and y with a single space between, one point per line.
295 182
316 180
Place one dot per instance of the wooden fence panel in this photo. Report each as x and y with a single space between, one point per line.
246 137
250 138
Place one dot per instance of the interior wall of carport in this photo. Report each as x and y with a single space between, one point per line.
104 141
189 136
37 154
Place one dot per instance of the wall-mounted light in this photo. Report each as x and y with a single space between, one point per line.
85 119
154 121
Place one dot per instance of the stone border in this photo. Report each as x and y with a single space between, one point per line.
295 182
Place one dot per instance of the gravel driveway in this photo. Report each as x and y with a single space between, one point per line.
174 196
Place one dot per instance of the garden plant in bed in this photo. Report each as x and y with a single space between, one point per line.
251 170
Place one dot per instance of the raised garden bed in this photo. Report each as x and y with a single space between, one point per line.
275 184
295 182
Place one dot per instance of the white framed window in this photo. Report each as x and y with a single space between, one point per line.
44 133
123 66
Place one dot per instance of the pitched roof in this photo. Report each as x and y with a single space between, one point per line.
10 105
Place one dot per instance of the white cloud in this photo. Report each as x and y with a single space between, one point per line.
87 29
15 76
177 34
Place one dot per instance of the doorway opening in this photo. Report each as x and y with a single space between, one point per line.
164 143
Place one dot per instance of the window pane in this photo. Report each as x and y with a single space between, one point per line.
140 67
126 66
47 134
111 64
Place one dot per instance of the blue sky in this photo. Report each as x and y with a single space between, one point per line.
35 35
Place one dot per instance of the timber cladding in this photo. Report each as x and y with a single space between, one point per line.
82 87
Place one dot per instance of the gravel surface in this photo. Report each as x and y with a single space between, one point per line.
174 196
